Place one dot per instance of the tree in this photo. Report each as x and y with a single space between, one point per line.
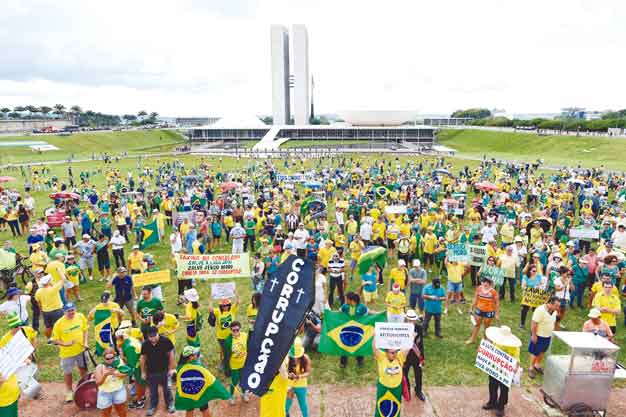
153 116
474 113
45 110
59 109
142 113
5 110
15 115
18 109
76 109
32 109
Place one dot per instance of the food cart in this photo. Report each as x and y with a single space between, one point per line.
579 373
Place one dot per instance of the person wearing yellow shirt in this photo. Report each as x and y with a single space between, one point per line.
48 297
399 275
160 221
56 268
395 302
272 403
375 213
167 206
340 241
299 371
429 244
221 318
326 252
167 325
38 257
236 346
608 304
135 261
356 249
351 228
378 232
456 271
389 364
71 335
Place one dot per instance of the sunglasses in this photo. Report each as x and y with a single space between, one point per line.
235 329
109 358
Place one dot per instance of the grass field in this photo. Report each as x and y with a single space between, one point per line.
568 151
449 361
81 145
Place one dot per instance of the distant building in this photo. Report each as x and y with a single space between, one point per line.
302 80
195 121
279 38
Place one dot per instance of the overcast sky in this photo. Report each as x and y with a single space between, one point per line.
212 57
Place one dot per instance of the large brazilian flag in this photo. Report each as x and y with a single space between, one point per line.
345 335
150 235
382 191
103 330
196 386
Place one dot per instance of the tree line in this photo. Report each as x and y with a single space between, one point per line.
80 117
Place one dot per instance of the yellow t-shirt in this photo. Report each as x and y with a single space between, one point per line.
596 288
31 335
67 330
273 401
239 352
223 320
397 302
56 269
607 301
455 272
356 249
169 323
49 298
429 242
115 321
398 276
378 231
545 321
135 260
251 312
389 372
38 258
325 254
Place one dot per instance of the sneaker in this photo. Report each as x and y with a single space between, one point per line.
141 403
91 278
171 409
231 401
246 397
150 412
445 311
69 397
488 406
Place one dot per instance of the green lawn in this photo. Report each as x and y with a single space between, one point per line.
81 145
449 361
568 151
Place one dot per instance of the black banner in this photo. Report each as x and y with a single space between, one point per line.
287 298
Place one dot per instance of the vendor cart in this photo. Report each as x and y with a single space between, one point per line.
579 373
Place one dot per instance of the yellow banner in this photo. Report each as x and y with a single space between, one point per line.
534 297
149 278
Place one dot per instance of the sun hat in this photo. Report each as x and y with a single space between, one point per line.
416 262
594 313
401 262
297 350
502 336
13 320
192 295
86 236
45 279
190 350
411 315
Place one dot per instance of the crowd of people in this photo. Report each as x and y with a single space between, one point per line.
417 211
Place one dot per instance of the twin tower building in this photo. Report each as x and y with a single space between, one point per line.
288 73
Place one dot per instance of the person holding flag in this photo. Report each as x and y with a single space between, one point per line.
195 385
221 318
236 347
389 385
130 351
106 316
192 317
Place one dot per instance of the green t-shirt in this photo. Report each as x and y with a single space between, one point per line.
146 309
250 227
55 251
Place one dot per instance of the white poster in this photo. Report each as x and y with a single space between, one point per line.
14 353
394 335
221 290
496 362
584 233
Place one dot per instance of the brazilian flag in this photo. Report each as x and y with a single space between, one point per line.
132 351
150 235
388 401
196 386
102 322
382 191
304 207
371 255
345 335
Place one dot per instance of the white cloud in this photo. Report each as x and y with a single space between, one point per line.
195 57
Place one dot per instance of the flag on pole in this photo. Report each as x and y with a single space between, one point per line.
345 335
382 191
150 235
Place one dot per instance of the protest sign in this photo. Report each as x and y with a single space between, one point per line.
457 252
294 177
216 266
150 278
394 335
496 362
584 233
287 297
221 290
477 254
494 273
179 216
14 353
535 297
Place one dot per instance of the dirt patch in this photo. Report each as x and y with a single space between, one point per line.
340 401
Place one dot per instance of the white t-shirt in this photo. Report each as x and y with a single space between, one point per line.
301 237
18 306
176 242
118 242
564 293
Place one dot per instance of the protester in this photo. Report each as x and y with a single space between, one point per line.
543 322
485 308
597 326
157 365
109 377
221 318
353 308
415 358
417 280
609 305
147 306
299 369
503 339
192 317
390 364
130 352
396 303
124 291
236 348
434 296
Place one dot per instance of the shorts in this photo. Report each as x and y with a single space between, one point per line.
542 345
51 317
391 243
108 399
455 287
484 314
104 262
368 297
9 410
86 263
353 264
68 364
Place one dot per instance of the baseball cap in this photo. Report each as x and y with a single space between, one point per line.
45 279
13 291
69 306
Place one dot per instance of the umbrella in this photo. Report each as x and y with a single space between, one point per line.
313 184
315 205
544 222
319 215
371 255
395 209
64 196
486 186
6 179
227 186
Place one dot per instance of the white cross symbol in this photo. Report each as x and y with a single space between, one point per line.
300 293
274 282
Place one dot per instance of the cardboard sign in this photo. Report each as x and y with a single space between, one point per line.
394 335
14 353
584 233
496 362
457 252
151 278
534 297
477 254
179 216
221 290
496 274
216 266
